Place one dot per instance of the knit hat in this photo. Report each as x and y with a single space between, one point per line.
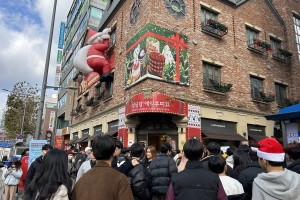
270 149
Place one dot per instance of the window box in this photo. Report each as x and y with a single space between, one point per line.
267 98
258 45
285 53
215 27
218 87
89 102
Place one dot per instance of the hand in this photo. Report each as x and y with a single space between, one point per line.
10 170
134 162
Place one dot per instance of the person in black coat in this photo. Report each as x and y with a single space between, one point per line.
120 162
161 170
194 182
35 165
294 157
249 173
214 148
137 176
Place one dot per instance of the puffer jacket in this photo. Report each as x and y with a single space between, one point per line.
229 172
34 167
294 166
161 170
138 182
12 178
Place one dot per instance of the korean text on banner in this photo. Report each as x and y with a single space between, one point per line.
61 35
51 122
35 150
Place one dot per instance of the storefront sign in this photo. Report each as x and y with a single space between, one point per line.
85 132
113 126
64 131
88 81
69 102
158 103
58 142
217 126
98 130
158 53
122 128
59 57
256 130
35 149
193 129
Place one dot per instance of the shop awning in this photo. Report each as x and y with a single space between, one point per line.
291 112
92 137
112 133
82 139
223 136
257 137
72 141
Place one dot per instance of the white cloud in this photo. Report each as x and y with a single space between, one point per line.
24 41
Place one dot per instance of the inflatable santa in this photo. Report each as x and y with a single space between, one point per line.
91 57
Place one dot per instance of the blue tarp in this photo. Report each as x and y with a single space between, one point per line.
291 112
5 144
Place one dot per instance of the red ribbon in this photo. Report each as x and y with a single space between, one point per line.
177 42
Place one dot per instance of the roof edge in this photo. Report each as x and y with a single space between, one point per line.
273 9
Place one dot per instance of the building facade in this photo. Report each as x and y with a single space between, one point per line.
83 15
205 69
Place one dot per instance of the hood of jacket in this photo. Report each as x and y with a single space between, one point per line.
280 185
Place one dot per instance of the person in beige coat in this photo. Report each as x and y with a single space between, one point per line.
52 181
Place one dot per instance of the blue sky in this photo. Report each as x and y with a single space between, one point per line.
24 34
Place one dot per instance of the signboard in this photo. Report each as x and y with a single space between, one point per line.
97 130
113 126
217 126
75 135
158 53
64 131
88 81
69 102
59 57
292 132
35 150
85 132
58 142
51 121
193 128
122 128
158 103
256 130
61 35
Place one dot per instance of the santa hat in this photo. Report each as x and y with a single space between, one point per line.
270 149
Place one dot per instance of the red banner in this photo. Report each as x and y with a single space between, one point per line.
90 79
58 142
157 103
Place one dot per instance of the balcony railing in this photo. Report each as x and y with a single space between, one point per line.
277 54
214 27
258 45
217 86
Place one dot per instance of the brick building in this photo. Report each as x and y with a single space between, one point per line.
207 69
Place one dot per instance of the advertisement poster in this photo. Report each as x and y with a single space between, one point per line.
58 142
193 129
51 121
158 53
35 150
292 132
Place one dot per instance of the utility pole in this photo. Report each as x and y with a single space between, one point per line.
44 84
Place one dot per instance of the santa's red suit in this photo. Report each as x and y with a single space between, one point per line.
96 59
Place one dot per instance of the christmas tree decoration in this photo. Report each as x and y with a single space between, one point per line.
158 53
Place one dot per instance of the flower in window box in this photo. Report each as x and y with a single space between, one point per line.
267 98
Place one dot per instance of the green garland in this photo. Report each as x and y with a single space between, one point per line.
89 102
289 102
217 25
265 98
219 87
262 44
285 53
78 109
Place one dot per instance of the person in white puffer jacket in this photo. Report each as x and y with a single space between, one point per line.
12 178
86 166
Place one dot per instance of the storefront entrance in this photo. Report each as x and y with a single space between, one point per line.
157 139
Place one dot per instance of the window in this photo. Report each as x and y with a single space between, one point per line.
96 13
109 89
86 97
297 31
210 73
206 15
275 44
280 94
112 38
256 87
251 36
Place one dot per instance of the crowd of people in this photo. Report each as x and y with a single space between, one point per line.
108 171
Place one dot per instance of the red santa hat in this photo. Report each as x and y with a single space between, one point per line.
270 149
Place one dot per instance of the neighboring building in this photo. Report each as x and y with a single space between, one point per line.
83 15
228 62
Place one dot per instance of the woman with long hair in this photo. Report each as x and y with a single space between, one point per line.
12 177
150 155
52 180
240 161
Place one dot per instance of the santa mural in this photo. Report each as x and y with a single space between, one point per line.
92 58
